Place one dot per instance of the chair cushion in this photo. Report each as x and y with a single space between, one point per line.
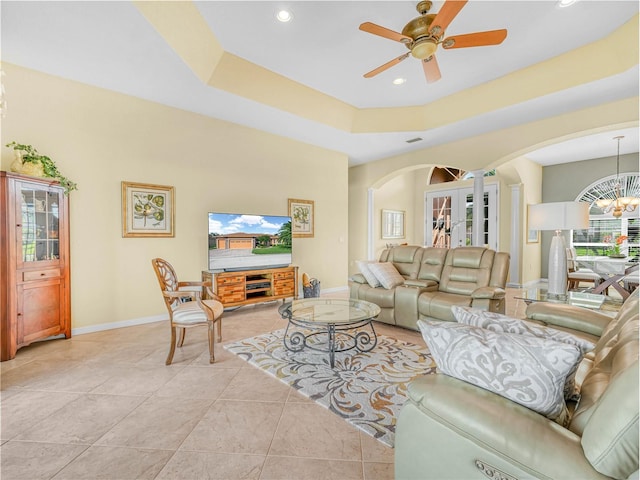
607 416
528 370
386 274
437 304
585 275
405 258
380 296
466 269
499 323
433 259
189 313
610 438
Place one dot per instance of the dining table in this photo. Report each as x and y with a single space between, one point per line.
612 271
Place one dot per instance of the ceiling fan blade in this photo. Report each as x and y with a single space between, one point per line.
478 39
447 13
384 32
431 69
390 64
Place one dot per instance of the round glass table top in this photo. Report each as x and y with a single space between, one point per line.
331 310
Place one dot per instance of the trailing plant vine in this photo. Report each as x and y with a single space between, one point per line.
31 155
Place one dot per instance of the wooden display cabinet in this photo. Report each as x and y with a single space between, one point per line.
253 286
34 262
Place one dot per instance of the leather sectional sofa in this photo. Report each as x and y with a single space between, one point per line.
435 279
450 429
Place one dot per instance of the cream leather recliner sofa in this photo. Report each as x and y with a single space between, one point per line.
450 429
434 280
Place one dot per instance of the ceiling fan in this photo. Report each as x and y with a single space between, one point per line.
423 34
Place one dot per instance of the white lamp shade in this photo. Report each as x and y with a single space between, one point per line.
559 216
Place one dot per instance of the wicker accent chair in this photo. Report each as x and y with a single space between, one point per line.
186 307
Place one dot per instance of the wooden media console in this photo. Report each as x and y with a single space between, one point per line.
253 286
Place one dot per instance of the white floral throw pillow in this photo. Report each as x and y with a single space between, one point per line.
504 324
528 370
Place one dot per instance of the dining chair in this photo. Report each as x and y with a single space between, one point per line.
631 281
576 274
186 306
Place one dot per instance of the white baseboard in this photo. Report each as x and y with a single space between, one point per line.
125 323
324 291
155 318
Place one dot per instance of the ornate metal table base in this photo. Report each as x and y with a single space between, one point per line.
328 336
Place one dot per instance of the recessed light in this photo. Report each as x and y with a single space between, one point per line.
399 81
284 16
566 3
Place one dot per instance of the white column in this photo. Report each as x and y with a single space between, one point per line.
478 208
370 249
515 240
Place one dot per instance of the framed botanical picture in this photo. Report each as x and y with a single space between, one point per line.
392 224
302 217
147 210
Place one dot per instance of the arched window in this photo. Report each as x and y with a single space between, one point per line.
604 228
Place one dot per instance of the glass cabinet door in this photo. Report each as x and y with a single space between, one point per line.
39 211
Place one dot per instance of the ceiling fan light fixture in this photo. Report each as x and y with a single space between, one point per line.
423 49
399 81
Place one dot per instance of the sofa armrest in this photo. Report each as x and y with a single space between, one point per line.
406 304
466 427
492 293
358 278
569 316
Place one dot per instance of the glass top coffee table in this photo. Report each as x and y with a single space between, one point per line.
604 303
329 325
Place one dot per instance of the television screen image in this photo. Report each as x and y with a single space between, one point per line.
248 242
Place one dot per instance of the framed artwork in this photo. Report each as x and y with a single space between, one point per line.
533 236
147 210
392 224
302 217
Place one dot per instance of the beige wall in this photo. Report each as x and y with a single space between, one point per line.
492 150
528 176
396 194
99 138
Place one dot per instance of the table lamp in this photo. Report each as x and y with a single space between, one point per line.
558 216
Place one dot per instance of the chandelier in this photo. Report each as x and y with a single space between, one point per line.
619 204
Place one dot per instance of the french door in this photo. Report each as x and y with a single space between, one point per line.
449 217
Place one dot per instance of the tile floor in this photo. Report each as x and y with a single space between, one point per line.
105 406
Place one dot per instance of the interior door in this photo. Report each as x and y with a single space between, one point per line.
442 218
449 217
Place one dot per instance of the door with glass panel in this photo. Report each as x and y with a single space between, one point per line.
449 217
441 220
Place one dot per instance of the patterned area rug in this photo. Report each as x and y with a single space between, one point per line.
366 389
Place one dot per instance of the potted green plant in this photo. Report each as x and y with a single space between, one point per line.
32 162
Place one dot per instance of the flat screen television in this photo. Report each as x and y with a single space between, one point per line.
248 242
